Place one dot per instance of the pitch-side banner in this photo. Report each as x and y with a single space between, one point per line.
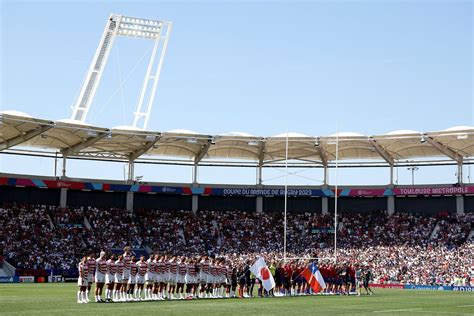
237 191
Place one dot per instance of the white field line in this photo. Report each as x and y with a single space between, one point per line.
396 310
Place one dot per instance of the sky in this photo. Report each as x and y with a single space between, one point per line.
259 67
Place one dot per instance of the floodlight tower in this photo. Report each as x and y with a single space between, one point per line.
118 25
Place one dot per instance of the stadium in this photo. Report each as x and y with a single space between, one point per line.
150 242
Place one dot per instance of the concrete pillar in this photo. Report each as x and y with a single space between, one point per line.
325 205
195 174
460 176
63 197
63 174
391 174
195 203
325 175
259 175
129 203
459 204
259 204
131 171
391 205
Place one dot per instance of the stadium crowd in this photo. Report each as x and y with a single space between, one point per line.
401 248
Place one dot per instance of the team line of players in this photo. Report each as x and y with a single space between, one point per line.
171 277
159 277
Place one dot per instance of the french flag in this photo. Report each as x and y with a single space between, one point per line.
314 278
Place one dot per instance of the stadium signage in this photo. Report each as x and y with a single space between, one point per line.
7 279
27 279
433 190
388 286
428 287
464 288
249 191
266 192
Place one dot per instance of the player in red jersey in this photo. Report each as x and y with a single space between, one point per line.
100 272
91 266
82 281
132 280
142 267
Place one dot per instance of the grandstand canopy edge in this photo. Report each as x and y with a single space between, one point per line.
23 134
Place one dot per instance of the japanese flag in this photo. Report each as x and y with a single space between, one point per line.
260 270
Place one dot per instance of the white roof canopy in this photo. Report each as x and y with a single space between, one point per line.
72 139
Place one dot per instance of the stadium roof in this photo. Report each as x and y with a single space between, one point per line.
19 131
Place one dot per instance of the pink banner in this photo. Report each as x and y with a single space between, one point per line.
367 192
448 190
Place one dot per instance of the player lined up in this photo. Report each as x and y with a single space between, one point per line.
158 278
163 277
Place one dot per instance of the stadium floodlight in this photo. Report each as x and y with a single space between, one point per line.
118 25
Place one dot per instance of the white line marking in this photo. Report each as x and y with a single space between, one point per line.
397 310
466 305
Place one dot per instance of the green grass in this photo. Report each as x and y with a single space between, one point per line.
60 299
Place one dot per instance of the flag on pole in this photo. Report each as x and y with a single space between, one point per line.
314 278
260 270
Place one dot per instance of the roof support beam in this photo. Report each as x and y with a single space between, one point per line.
200 155
24 137
321 152
74 149
382 152
134 155
444 149
261 152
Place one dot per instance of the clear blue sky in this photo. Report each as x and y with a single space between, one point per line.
258 67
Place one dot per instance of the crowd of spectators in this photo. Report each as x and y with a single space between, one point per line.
402 247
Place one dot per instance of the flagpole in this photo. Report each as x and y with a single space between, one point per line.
286 195
335 192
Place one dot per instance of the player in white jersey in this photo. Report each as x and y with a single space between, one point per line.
204 276
150 277
110 278
156 283
100 272
119 280
91 267
82 281
180 277
133 278
142 267
126 269
191 279
172 277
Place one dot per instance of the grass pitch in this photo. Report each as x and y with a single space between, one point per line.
60 299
